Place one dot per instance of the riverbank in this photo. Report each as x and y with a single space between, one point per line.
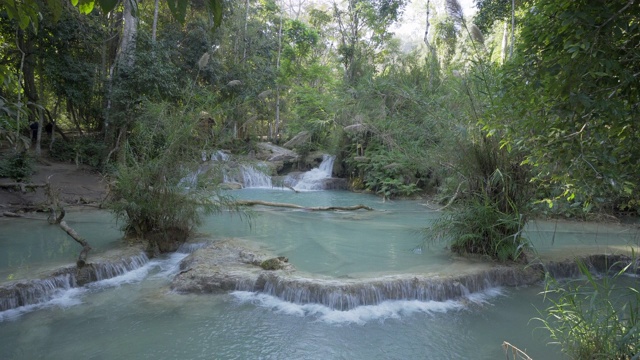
77 185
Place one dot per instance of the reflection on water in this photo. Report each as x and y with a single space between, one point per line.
29 246
136 316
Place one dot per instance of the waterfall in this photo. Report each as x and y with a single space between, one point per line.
219 156
188 248
348 294
254 178
34 291
23 293
108 270
315 178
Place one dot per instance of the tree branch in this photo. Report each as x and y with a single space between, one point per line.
294 206
58 219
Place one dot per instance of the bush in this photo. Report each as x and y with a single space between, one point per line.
149 193
479 227
594 318
387 173
88 150
17 166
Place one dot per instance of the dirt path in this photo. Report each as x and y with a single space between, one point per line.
76 185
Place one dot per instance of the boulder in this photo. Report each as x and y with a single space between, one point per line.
270 152
300 139
277 263
224 266
312 160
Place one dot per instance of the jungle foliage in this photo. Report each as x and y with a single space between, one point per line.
554 124
594 317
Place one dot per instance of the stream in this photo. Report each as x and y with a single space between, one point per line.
136 316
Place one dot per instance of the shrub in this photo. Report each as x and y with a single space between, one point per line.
493 195
594 318
479 227
149 195
17 166
88 150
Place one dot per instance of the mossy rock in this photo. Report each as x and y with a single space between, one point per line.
278 263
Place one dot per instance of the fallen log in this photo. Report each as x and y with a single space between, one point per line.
82 258
12 214
294 206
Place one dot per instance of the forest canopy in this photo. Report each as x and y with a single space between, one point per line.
527 103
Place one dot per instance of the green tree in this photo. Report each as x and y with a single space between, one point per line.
571 97
363 28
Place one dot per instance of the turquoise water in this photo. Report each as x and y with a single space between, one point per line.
136 316
29 247
142 319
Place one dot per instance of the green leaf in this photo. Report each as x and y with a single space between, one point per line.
107 5
178 9
86 6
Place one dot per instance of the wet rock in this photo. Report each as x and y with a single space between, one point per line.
278 263
336 184
222 266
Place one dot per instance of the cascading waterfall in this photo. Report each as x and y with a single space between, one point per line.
254 178
32 292
108 270
348 294
315 178
250 176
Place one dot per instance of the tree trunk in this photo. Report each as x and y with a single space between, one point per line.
277 125
20 72
155 23
57 218
26 46
505 35
513 27
128 42
426 30
244 36
294 206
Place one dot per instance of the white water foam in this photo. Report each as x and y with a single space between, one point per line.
254 178
314 178
393 309
65 298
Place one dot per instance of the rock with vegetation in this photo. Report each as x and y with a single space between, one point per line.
223 265
277 263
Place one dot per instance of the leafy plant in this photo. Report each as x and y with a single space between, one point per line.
594 318
87 150
17 166
571 108
149 193
478 226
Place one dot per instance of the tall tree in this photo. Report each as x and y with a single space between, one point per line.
364 28
575 86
